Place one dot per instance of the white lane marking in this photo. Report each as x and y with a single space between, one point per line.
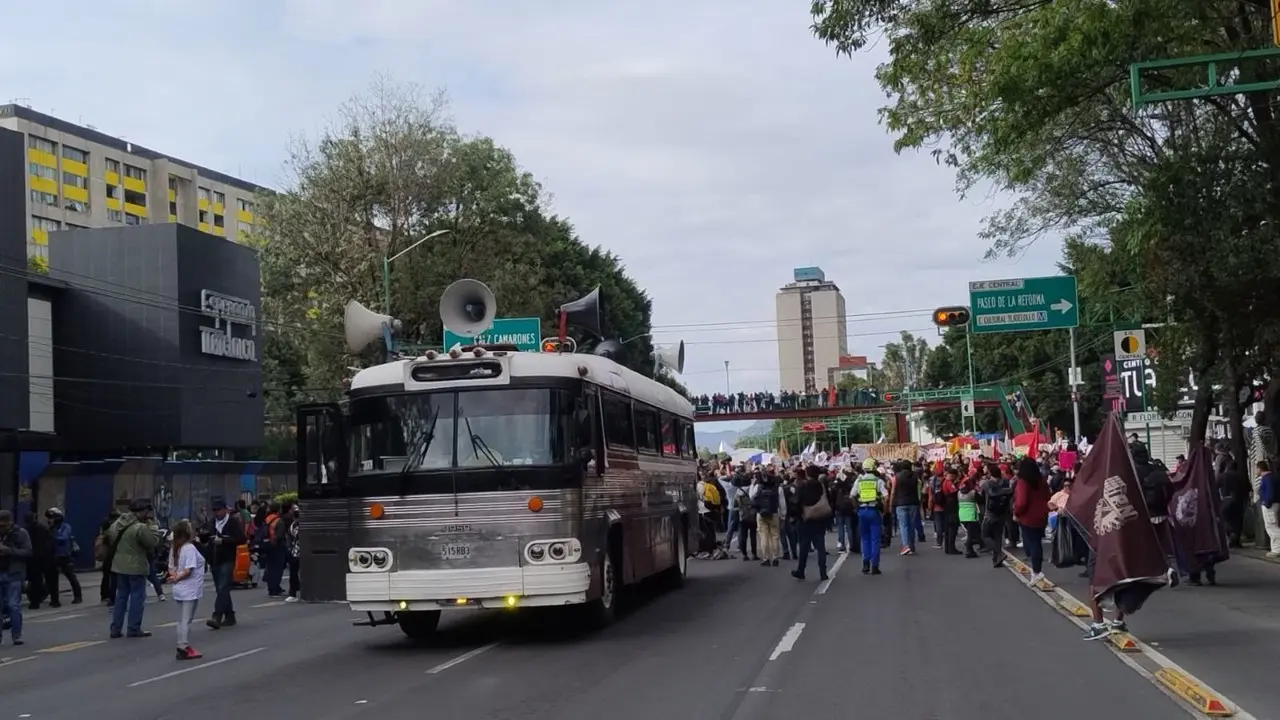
1130 660
822 586
274 603
460 659
201 666
788 641
5 662
60 618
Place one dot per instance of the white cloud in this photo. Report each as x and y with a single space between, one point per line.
712 145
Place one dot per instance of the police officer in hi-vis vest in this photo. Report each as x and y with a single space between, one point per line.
870 493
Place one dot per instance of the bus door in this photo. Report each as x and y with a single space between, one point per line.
324 528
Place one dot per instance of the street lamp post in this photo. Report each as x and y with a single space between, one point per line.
386 268
727 391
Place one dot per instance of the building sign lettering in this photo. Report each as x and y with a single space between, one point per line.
235 327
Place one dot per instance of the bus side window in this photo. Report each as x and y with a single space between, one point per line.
589 441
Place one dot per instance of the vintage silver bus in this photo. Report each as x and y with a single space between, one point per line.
491 478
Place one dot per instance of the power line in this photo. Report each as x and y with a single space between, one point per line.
94 285
851 317
819 337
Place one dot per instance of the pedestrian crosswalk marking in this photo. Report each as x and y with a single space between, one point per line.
72 646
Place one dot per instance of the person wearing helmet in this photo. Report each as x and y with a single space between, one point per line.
869 494
64 552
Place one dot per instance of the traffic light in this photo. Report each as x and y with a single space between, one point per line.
951 316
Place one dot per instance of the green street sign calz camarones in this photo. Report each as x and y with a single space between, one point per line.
524 333
1020 305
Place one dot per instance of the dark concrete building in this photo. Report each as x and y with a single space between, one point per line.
157 339
135 339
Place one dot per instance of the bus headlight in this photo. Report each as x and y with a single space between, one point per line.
548 552
363 560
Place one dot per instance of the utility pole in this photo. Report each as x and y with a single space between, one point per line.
727 391
1074 381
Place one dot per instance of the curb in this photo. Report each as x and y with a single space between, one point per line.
1188 692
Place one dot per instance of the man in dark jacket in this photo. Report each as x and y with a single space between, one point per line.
40 566
222 536
15 549
815 515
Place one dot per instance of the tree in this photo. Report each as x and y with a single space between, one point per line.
903 364
390 171
1034 97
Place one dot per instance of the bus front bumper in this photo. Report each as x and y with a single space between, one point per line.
501 587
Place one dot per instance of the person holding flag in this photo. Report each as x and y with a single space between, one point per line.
1128 563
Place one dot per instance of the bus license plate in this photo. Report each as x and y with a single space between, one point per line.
455 551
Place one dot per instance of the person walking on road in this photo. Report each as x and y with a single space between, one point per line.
225 533
40 565
767 499
15 548
904 498
132 537
186 572
871 494
294 550
1031 511
816 516
64 551
997 494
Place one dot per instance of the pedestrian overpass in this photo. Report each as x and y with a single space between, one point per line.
900 405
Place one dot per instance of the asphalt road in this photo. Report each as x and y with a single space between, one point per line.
933 638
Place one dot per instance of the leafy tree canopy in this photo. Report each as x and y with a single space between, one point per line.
1034 98
389 171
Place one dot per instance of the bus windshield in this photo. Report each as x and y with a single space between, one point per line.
467 429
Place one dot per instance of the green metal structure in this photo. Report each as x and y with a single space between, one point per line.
1213 81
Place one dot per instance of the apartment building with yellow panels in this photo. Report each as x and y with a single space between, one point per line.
78 177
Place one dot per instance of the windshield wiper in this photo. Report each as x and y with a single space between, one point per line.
478 445
421 442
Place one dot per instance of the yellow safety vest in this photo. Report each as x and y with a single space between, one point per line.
868 489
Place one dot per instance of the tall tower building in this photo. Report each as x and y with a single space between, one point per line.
812 332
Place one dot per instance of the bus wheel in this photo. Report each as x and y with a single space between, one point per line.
678 573
420 624
604 609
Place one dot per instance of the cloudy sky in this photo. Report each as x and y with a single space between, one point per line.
712 145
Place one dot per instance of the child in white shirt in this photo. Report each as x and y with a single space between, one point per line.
186 572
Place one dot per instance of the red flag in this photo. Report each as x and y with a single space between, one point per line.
1195 511
1106 502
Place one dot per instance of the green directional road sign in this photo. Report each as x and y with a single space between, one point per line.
524 333
1043 303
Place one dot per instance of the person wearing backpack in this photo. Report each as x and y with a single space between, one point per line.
997 494
708 497
276 553
768 501
815 513
747 529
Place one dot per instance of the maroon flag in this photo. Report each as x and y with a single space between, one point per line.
1196 512
1106 501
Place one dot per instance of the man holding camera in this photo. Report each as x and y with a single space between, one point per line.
221 537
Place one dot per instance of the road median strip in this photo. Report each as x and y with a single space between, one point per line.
1193 693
